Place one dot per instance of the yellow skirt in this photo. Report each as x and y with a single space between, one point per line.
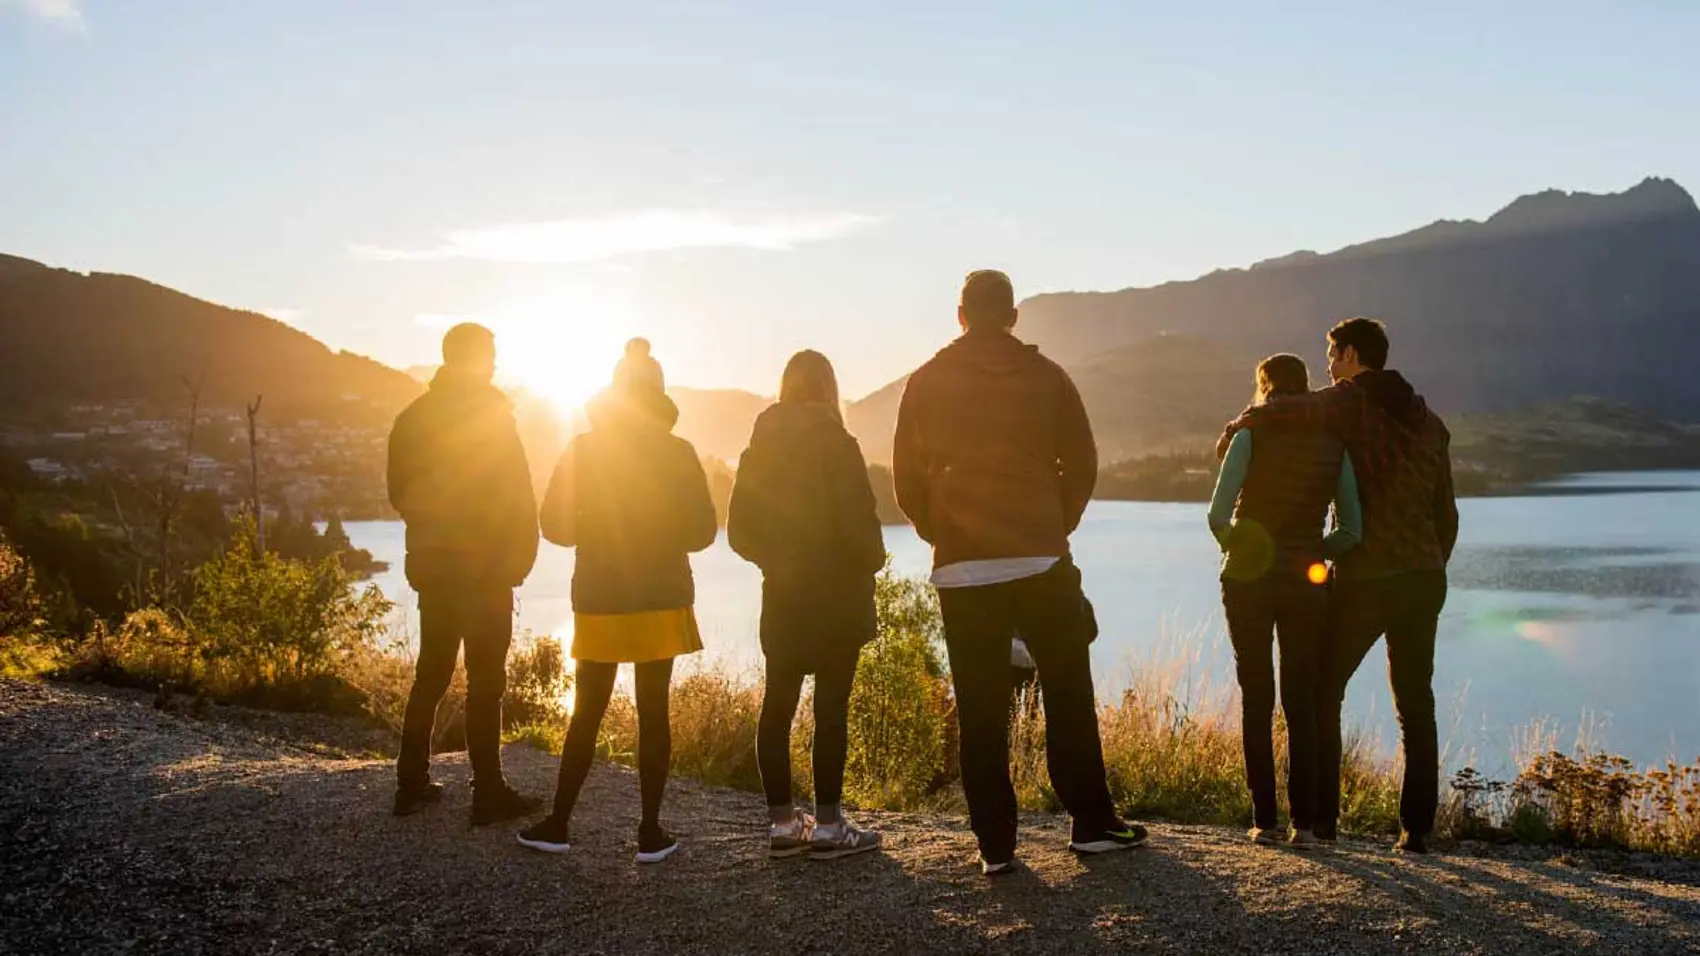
635 638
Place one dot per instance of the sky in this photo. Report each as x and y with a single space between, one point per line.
737 181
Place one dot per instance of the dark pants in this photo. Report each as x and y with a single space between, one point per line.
1292 612
1406 607
979 623
593 687
482 620
784 690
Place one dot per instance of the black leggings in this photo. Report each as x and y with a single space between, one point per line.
832 729
593 686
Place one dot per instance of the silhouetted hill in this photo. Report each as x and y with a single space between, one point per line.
1556 294
1166 394
66 337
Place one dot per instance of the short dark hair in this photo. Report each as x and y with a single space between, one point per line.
467 341
1283 374
988 300
1367 337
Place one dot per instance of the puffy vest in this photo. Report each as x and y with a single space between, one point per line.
1283 506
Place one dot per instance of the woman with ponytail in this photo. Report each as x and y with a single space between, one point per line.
633 500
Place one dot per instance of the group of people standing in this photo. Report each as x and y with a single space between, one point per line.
994 464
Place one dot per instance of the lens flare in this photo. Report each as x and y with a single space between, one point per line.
1318 573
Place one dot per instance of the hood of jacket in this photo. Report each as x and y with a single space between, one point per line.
1394 395
993 351
454 386
788 422
619 409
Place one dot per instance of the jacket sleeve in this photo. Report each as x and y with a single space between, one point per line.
909 462
1077 454
746 529
1446 503
1229 480
519 507
402 468
1348 530
560 503
1231 429
699 526
856 512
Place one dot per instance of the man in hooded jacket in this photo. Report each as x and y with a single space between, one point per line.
1394 583
458 476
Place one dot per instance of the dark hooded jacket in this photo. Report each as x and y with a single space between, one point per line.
993 456
633 500
803 511
1401 453
457 475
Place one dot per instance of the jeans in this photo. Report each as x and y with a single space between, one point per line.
482 620
979 624
1406 607
784 690
1293 613
593 688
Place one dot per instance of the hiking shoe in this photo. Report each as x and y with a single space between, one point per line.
549 836
655 844
832 841
1125 837
1263 836
412 799
1411 843
1299 839
997 869
500 804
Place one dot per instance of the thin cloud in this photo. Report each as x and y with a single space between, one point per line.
61 13
600 239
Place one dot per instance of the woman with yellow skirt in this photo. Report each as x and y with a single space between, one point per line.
633 500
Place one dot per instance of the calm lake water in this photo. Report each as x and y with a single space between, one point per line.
1578 607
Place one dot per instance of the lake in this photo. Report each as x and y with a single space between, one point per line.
1577 606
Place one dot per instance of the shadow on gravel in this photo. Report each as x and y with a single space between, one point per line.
1489 905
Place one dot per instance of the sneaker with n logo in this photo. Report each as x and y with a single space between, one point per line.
1123 837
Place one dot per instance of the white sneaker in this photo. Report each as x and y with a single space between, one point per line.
786 840
831 841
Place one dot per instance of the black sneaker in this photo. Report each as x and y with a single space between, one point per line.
549 836
1125 837
412 799
500 804
655 844
1326 835
1411 843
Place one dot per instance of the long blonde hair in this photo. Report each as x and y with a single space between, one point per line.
809 378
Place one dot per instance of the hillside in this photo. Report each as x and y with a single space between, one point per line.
69 338
1555 295
1165 394
1581 434
717 421
130 830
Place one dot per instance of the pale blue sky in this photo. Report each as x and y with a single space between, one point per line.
738 180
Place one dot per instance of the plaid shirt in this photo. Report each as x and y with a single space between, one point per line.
1403 466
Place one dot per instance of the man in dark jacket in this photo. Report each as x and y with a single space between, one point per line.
458 476
994 464
1394 582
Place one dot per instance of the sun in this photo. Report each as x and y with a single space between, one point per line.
561 345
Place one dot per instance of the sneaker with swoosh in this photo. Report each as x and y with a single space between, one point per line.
1125 837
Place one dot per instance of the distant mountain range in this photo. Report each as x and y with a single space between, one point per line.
68 338
1557 294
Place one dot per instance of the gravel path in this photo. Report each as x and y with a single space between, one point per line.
125 829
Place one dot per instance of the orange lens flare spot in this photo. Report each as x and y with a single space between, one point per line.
1318 573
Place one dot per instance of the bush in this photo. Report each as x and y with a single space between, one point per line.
21 606
900 739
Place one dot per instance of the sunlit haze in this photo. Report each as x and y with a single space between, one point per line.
738 182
